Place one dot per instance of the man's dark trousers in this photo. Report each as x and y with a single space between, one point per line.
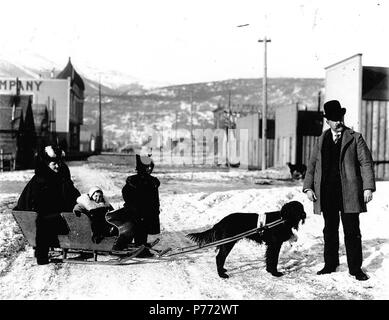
352 239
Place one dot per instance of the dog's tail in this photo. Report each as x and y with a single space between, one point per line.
204 237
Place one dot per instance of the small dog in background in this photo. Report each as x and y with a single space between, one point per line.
292 213
297 171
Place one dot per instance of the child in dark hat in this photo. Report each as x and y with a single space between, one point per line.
141 207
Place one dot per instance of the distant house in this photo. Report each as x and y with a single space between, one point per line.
296 131
87 141
57 111
225 116
364 92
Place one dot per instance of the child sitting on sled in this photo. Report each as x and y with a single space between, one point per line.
95 205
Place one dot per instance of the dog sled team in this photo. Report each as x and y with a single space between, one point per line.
339 180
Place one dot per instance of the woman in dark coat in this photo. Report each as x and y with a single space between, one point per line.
49 192
141 198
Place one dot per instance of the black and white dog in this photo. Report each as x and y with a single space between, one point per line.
297 171
235 223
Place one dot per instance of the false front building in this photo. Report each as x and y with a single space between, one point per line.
56 105
57 111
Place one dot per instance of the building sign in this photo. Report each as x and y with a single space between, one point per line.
53 93
25 85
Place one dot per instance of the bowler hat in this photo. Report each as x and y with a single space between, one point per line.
333 110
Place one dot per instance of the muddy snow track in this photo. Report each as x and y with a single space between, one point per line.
192 275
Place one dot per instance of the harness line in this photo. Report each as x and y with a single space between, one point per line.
223 241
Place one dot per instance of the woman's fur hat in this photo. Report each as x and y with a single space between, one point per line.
53 153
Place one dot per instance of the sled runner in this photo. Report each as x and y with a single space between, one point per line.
78 240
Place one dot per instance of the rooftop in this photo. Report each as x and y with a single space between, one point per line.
70 72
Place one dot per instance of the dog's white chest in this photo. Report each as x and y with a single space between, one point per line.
261 219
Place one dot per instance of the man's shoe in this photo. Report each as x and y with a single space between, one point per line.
360 275
326 270
42 261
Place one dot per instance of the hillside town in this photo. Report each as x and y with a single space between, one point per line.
36 112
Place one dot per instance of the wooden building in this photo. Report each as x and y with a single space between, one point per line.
375 116
34 112
75 108
225 116
364 92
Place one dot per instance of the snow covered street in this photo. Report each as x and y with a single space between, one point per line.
194 203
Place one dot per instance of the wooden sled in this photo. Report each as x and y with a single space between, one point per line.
79 240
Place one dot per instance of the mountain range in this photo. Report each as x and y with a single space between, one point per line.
131 108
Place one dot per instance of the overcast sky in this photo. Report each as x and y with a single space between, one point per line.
183 41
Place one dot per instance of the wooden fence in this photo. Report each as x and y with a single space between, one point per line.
290 149
213 151
308 143
255 153
375 130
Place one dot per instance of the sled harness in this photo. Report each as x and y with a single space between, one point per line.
172 252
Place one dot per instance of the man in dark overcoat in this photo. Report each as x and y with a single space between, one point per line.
340 181
49 192
141 202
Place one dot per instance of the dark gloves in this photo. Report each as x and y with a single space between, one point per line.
78 210
97 238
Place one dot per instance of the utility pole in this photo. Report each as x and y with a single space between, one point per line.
227 127
191 127
176 124
15 104
100 141
319 101
264 102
